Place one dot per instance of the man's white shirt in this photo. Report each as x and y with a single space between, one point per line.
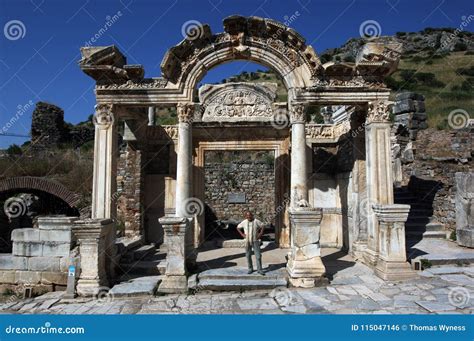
251 229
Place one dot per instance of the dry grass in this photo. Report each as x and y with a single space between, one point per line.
71 168
441 101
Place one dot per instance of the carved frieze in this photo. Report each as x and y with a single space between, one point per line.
149 83
379 111
349 82
233 102
327 131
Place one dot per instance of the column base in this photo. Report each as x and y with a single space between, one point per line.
88 287
306 273
370 257
394 271
358 249
465 236
173 285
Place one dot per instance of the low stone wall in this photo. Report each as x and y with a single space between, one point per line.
41 256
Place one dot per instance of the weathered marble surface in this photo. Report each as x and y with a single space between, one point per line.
354 290
465 209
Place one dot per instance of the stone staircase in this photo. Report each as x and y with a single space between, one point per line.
420 223
237 279
142 260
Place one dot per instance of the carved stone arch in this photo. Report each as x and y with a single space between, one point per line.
264 41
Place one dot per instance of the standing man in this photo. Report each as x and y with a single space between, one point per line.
251 230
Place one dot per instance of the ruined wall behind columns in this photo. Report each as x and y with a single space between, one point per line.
250 172
130 195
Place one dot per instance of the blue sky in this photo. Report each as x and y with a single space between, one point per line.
42 63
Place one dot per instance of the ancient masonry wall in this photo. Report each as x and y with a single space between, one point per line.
251 173
438 156
130 194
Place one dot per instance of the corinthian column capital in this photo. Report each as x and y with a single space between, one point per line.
104 116
297 113
185 112
379 111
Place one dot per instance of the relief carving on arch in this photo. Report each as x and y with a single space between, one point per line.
233 102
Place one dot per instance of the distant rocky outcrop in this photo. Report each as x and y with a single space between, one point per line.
428 41
50 131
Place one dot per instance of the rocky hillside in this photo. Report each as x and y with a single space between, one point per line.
437 63
431 42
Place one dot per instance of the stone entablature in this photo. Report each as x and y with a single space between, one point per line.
326 133
234 102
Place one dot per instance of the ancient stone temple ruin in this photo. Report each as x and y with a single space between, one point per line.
330 184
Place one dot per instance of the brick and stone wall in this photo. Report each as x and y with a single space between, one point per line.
246 172
130 183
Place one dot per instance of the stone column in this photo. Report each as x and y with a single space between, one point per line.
96 239
392 262
105 163
184 159
465 209
151 116
378 171
175 278
299 173
304 266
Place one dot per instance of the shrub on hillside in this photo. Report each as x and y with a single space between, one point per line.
14 150
429 79
460 47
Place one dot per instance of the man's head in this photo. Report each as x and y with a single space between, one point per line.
249 216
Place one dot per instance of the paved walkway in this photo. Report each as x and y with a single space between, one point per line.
353 290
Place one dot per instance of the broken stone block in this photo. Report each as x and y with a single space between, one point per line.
25 235
55 235
48 277
11 262
56 249
28 277
43 264
7 277
409 95
30 249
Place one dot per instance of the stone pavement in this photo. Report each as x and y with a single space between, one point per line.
353 290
